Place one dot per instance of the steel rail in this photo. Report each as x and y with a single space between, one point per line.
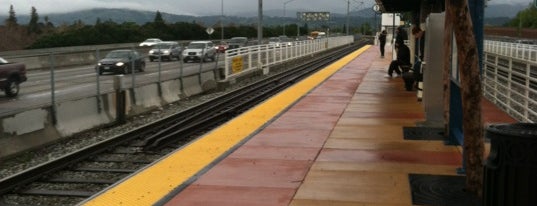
194 120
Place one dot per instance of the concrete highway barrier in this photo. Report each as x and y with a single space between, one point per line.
34 128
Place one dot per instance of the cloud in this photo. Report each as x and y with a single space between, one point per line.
196 7
193 7
509 1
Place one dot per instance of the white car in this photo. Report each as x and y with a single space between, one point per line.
165 51
274 41
199 51
150 42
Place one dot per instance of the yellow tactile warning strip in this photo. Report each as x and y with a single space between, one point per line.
150 185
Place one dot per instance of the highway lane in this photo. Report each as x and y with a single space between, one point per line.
81 81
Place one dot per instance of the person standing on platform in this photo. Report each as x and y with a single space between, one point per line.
401 35
419 35
382 40
420 41
403 60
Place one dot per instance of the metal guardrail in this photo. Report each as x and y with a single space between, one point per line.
510 78
526 52
69 56
253 58
73 49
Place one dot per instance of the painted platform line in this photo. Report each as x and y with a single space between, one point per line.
153 183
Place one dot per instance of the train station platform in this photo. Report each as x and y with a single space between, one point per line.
337 138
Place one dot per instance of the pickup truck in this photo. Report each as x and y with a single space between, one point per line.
11 75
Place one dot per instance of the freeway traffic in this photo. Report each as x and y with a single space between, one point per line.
82 81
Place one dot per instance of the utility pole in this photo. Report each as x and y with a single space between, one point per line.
348 16
222 22
284 15
260 22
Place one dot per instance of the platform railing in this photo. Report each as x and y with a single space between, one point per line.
526 52
510 78
253 58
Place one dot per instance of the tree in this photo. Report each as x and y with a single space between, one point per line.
305 29
33 26
526 18
366 29
11 21
48 26
47 22
158 18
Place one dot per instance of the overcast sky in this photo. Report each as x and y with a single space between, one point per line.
191 7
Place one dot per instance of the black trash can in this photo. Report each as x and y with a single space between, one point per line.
409 78
510 173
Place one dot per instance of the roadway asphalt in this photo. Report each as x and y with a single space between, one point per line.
82 81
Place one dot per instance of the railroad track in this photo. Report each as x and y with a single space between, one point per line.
77 176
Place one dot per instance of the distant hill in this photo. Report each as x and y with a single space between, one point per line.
90 16
494 15
496 21
500 14
141 17
504 10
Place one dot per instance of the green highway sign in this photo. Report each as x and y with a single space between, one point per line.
313 16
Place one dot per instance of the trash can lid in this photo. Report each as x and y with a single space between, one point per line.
528 130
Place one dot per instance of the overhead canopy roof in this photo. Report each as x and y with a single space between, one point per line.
398 6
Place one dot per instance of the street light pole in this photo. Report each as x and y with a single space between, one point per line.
348 16
222 22
260 22
284 16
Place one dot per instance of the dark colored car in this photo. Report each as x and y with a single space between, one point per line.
11 75
237 42
120 61
165 51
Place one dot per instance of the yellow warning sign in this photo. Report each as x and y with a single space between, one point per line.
236 64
